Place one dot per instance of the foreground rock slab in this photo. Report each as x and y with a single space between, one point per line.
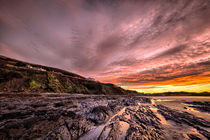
52 116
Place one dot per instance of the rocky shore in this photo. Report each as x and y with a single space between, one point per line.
201 106
50 116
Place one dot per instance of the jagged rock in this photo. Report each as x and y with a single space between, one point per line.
182 117
99 114
185 118
201 106
194 137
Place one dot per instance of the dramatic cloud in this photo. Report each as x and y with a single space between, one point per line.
136 44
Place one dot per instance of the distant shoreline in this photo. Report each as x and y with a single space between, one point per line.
176 94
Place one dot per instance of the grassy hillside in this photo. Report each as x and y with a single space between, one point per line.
19 76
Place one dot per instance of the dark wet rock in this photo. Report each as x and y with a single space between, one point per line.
114 132
203 132
37 105
13 115
54 126
60 133
199 103
78 127
99 114
71 129
194 137
133 122
139 132
59 116
115 106
134 100
59 104
70 114
144 115
200 106
145 123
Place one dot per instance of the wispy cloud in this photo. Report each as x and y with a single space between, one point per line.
121 41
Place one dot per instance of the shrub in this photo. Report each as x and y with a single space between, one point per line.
34 84
21 64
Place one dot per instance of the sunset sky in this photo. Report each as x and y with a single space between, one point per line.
145 45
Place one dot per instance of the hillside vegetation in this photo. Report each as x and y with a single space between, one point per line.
19 76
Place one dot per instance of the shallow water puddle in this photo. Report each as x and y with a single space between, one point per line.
192 109
162 100
153 101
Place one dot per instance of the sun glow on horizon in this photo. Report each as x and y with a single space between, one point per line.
170 88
